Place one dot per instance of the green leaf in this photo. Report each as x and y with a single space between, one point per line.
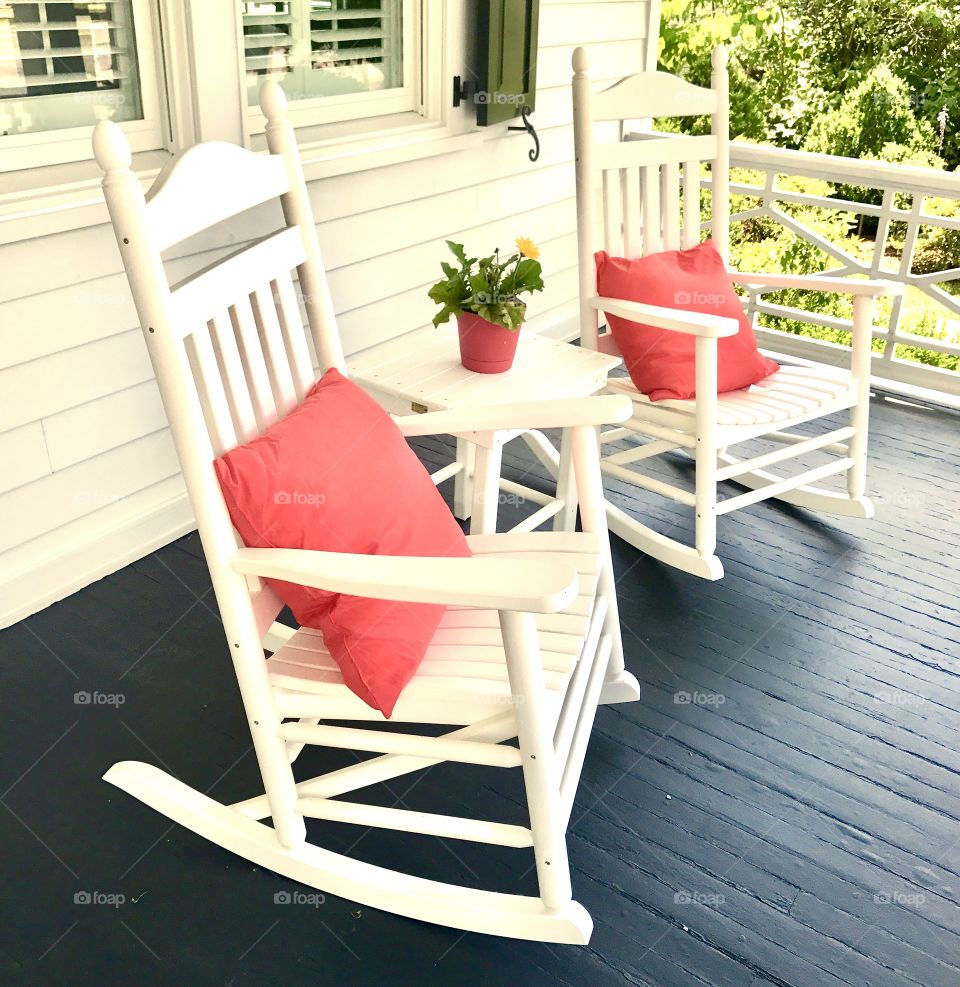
479 284
457 250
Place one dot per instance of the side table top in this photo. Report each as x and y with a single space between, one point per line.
424 369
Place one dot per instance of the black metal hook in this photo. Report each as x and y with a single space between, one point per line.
528 126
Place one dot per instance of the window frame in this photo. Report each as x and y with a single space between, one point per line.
341 109
43 148
48 196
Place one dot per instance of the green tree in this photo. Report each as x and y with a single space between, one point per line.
878 111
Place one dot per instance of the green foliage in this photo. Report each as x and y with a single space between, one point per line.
918 41
869 79
876 113
487 286
795 62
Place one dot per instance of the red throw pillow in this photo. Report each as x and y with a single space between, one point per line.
336 475
660 362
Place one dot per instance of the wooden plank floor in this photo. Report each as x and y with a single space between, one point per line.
783 807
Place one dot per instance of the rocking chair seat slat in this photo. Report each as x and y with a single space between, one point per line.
787 394
465 663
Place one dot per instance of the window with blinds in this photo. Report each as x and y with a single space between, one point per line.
327 48
66 65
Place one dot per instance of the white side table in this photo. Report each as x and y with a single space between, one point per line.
421 372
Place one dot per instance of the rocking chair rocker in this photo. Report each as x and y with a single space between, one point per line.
529 644
638 179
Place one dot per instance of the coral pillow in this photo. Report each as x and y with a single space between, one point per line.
660 362
336 475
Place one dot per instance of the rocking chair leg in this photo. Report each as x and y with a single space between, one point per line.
486 487
581 447
619 685
264 720
706 453
540 770
463 481
860 413
566 520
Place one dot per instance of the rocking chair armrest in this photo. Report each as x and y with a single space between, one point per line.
676 320
561 413
487 584
814 282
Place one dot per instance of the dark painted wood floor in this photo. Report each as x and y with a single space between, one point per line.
783 807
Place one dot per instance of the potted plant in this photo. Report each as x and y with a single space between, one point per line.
484 295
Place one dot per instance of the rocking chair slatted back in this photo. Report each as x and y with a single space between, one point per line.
648 187
261 352
230 360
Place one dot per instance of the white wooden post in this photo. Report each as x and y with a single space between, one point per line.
720 168
486 484
653 36
861 359
583 166
566 519
584 446
706 451
463 481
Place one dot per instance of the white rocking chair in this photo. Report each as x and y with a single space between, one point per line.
531 640
638 180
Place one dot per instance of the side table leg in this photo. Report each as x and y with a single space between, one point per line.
543 449
486 488
566 518
463 481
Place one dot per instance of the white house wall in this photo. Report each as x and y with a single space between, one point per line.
88 477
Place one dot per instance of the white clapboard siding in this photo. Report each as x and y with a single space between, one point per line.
41 388
617 58
42 324
382 277
31 268
365 327
67 558
561 22
88 480
540 188
336 197
71 493
23 456
103 424
355 238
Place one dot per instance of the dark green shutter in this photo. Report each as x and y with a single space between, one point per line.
508 58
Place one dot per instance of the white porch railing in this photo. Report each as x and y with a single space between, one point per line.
905 191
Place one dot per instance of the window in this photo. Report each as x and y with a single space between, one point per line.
367 81
63 67
336 59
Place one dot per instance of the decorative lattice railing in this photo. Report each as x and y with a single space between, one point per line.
895 213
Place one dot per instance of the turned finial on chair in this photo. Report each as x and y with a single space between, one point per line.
718 58
111 147
580 61
273 101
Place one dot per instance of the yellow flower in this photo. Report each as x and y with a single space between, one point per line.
527 247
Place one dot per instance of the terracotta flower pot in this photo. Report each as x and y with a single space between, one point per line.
485 348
